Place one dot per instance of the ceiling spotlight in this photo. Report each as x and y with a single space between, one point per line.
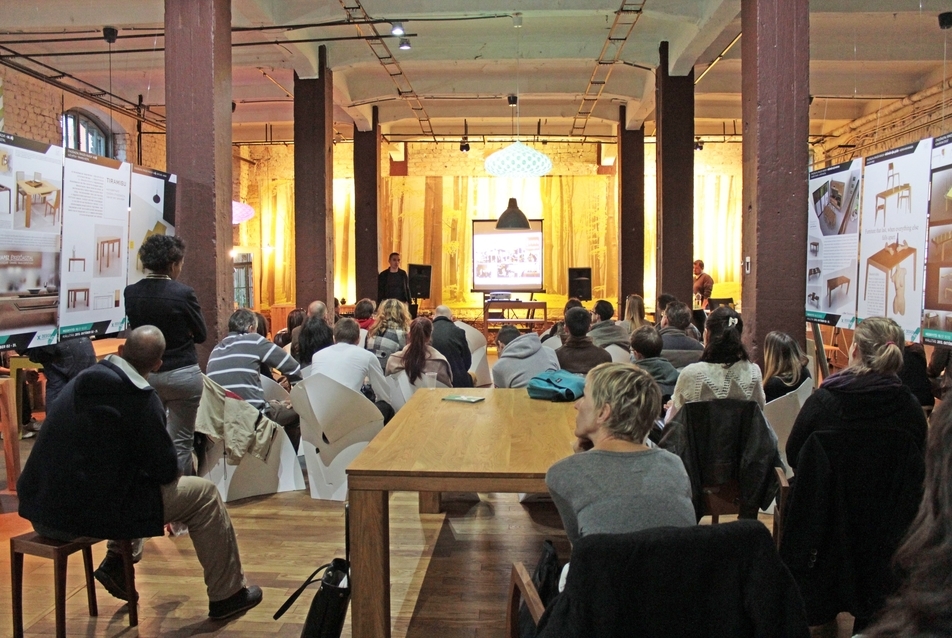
517 20
110 34
698 144
464 146
513 100
405 44
396 28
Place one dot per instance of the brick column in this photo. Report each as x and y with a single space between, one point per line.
631 218
776 85
198 150
366 195
674 116
314 186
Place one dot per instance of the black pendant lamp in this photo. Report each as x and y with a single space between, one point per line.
512 218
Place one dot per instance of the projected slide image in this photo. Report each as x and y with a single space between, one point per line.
508 260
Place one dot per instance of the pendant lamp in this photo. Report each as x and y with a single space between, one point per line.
512 218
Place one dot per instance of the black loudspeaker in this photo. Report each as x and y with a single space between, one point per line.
580 283
419 280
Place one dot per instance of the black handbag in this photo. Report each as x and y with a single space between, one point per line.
325 618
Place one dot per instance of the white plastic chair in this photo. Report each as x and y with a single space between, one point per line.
781 414
552 341
273 390
253 477
619 354
337 423
401 389
477 346
362 342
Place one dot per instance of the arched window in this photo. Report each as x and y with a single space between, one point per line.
85 134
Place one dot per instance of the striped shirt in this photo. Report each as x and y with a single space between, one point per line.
235 362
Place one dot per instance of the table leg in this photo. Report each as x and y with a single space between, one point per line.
11 434
27 208
370 564
866 281
429 502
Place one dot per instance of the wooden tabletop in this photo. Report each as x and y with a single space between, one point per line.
507 435
105 347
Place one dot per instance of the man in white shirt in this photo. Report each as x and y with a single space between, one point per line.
350 365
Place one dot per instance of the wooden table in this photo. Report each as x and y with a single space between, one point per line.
30 188
529 306
903 191
104 249
72 294
833 284
70 261
503 444
887 260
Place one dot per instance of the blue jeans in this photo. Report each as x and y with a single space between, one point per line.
180 391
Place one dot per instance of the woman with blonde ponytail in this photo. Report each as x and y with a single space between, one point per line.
867 393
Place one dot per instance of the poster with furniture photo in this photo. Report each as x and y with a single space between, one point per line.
151 212
95 228
833 244
31 176
893 232
937 315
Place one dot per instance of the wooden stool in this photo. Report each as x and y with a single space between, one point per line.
59 551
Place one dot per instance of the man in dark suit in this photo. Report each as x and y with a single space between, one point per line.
450 340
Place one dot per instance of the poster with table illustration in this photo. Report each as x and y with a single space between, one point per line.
95 244
937 315
893 224
31 179
151 212
833 243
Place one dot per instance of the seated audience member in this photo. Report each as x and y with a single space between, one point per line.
921 606
940 370
389 332
851 510
349 364
315 335
235 365
336 309
521 357
614 483
558 328
578 353
724 371
295 318
419 357
866 393
61 362
785 365
646 348
364 313
262 328
103 466
663 300
679 348
634 314
914 374
450 340
316 309
604 331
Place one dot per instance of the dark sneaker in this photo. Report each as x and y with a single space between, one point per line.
110 575
244 599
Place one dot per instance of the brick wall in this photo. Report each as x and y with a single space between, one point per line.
34 109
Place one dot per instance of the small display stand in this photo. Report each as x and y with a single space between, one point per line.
498 312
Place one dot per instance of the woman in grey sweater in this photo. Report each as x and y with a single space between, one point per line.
615 483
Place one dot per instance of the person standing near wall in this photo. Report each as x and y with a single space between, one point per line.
703 284
393 283
172 307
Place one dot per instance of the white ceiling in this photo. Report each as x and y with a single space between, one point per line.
466 57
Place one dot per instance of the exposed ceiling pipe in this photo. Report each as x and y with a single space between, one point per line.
356 11
625 19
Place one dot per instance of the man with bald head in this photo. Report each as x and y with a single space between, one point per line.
103 466
450 340
315 309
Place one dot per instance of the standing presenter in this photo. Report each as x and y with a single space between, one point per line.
393 283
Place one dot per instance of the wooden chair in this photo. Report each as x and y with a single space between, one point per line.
59 552
521 588
53 208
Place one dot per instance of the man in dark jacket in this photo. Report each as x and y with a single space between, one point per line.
579 354
450 341
393 283
679 348
104 466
